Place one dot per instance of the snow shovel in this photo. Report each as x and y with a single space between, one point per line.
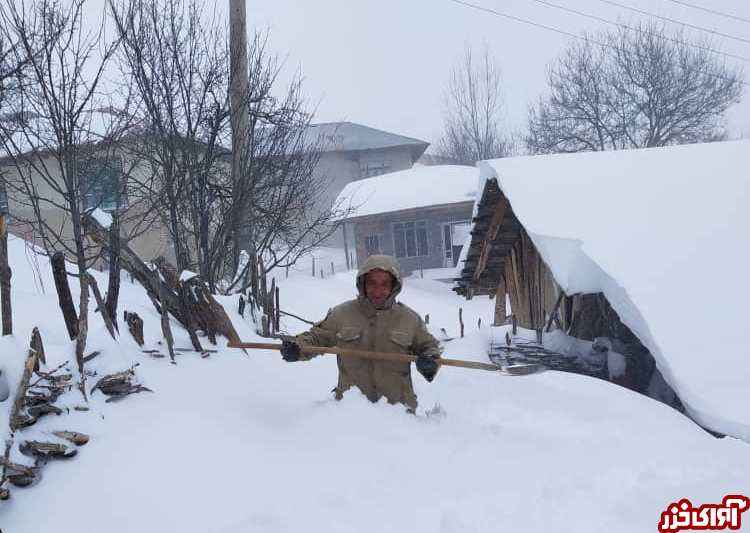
506 370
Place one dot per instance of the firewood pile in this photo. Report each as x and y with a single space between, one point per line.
187 299
37 393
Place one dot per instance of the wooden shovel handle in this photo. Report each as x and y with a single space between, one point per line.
351 352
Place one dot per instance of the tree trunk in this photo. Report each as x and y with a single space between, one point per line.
65 299
83 328
5 275
102 307
135 326
113 287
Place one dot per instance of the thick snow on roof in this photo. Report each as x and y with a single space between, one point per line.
408 189
665 234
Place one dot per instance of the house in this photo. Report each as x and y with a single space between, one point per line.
352 152
421 215
648 248
349 152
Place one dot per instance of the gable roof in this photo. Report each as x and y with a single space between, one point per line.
409 189
349 136
664 233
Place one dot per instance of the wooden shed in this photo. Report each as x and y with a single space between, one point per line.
501 261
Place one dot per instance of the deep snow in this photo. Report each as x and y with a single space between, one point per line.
665 234
245 443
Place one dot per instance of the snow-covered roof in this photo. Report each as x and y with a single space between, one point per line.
409 189
665 234
347 136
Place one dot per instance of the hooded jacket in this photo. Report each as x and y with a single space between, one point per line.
358 324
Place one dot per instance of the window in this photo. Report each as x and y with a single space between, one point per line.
372 244
102 185
374 168
410 239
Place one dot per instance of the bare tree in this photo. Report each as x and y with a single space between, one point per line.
473 111
180 63
56 132
633 89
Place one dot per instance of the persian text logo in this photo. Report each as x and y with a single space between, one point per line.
682 516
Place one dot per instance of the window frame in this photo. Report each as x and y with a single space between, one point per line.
421 249
118 162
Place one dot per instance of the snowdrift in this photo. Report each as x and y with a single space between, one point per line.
665 234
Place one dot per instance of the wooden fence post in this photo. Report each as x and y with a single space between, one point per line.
64 297
5 275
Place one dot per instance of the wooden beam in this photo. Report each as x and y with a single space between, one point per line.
486 246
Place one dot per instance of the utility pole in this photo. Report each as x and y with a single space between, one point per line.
239 118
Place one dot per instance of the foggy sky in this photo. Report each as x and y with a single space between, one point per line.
385 63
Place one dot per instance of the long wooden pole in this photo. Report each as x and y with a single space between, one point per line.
383 356
5 275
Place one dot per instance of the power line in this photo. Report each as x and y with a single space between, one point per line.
563 32
694 26
513 17
712 11
639 30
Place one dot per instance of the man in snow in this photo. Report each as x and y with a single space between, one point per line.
374 321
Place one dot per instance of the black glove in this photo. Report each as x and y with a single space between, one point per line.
427 366
290 351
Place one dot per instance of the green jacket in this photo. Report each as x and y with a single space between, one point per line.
358 324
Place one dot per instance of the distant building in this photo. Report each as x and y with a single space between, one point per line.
350 152
421 216
353 152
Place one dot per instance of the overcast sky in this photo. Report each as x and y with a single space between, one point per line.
385 63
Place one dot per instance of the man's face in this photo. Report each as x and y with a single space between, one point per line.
378 286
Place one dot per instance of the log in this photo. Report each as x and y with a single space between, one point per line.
46 450
135 326
65 299
37 345
5 277
40 410
102 307
135 267
166 329
79 439
119 385
113 285
18 419
209 311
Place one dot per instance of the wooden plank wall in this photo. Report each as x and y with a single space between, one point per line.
530 286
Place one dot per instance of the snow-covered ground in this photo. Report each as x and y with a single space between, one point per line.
248 443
